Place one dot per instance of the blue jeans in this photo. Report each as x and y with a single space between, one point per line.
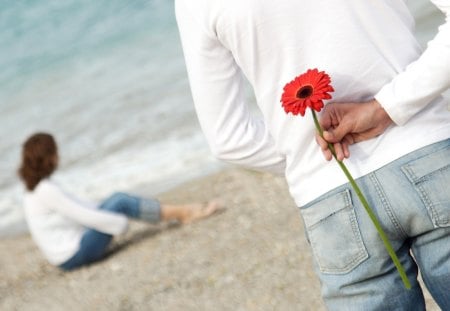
95 243
411 198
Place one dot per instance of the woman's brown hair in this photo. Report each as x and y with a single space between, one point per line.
39 159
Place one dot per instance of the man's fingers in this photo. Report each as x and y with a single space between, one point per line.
323 144
337 134
346 149
339 151
349 140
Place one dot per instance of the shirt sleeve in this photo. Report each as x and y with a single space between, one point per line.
218 89
103 221
424 79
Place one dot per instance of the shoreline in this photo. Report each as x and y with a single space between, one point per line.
147 188
252 256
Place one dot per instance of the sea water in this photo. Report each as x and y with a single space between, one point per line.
108 79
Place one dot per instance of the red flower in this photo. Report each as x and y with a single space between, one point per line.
306 90
309 90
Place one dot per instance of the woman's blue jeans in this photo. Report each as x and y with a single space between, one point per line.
411 198
95 243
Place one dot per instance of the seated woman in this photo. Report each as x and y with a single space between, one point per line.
71 233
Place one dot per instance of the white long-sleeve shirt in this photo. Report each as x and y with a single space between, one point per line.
367 47
57 221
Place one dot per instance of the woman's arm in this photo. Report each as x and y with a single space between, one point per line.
103 221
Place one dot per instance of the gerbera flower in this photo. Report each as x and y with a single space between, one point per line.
307 90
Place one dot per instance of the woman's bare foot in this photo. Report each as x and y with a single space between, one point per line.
187 213
193 212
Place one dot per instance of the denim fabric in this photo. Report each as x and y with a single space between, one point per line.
94 243
411 199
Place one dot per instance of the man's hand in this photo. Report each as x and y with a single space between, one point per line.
347 123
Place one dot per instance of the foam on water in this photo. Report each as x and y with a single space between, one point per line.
116 98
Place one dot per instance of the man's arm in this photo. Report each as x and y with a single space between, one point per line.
422 80
406 95
217 86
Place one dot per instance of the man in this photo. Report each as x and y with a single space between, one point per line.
398 131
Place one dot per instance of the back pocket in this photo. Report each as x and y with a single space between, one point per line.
430 176
334 234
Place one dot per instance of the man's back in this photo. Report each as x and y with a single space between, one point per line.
362 45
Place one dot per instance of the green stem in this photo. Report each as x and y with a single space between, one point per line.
369 211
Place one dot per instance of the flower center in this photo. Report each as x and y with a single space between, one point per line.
305 91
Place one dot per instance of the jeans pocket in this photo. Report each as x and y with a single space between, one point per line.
430 176
334 234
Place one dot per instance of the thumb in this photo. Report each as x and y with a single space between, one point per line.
336 134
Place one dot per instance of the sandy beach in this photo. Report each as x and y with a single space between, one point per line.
253 256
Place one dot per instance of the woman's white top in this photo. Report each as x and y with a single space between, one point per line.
367 47
57 221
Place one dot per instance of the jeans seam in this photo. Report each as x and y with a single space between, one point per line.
433 214
386 205
356 231
428 203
